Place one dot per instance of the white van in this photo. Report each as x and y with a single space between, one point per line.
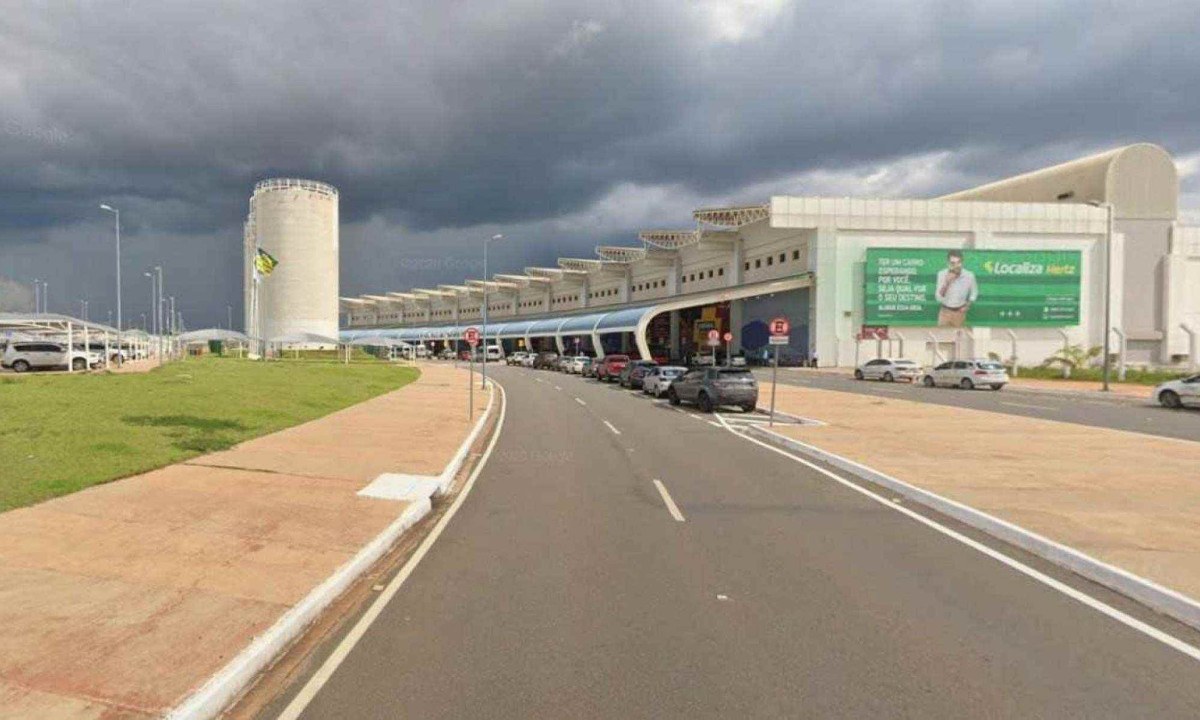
495 353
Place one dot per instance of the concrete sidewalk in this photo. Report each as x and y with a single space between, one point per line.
1127 499
1067 387
120 600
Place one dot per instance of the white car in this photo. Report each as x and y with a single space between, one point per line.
967 374
1178 393
658 379
527 361
888 370
516 358
23 356
575 365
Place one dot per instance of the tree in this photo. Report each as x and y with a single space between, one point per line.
1073 357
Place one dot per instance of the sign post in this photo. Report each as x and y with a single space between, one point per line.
471 335
728 338
714 339
780 328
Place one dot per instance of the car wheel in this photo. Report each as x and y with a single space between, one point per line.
749 407
673 396
888 377
20 366
79 364
927 381
966 384
997 386
1168 398
705 403
858 375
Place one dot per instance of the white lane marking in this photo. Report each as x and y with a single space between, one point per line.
671 506
610 427
539 380
1077 595
714 423
1027 405
556 387
342 651
580 401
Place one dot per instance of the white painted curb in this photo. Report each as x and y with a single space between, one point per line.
223 688
1155 596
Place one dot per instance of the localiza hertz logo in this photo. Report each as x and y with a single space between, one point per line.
987 267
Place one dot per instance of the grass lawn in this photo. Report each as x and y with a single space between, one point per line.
61 433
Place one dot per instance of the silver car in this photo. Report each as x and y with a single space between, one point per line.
888 370
658 379
1178 393
711 387
967 374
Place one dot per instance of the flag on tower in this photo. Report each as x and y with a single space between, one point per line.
264 262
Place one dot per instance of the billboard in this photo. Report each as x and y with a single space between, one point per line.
972 288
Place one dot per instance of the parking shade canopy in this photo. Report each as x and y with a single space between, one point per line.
199 336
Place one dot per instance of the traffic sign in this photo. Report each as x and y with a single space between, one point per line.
714 338
777 340
727 337
471 335
780 326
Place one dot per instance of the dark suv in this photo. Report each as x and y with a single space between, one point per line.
545 360
635 370
711 387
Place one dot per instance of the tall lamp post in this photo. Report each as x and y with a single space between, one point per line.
117 223
37 296
483 370
83 308
1108 209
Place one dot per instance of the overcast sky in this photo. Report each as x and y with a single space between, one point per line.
561 124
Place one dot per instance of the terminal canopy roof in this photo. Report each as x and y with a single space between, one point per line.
625 320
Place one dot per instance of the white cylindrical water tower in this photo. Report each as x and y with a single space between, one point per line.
296 222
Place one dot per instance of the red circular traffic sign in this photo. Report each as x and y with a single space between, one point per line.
780 326
471 335
728 337
713 335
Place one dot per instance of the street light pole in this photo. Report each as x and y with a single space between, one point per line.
1108 208
229 312
483 366
37 296
83 307
117 220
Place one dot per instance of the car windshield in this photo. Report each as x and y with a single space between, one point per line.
734 372
903 362
990 365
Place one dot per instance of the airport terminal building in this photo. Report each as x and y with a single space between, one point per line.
1016 268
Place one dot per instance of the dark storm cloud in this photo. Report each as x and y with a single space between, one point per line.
437 116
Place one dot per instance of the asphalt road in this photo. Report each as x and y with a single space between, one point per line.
565 587
1119 413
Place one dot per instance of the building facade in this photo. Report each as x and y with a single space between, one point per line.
1016 269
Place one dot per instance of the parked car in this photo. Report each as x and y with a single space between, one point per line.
610 367
447 354
516 358
967 374
635 370
589 370
545 360
889 370
1178 393
464 354
712 387
495 353
579 363
528 360
658 379
41 355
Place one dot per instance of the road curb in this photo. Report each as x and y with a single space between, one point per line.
215 695
1161 599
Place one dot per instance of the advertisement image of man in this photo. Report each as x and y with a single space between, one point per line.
956 290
